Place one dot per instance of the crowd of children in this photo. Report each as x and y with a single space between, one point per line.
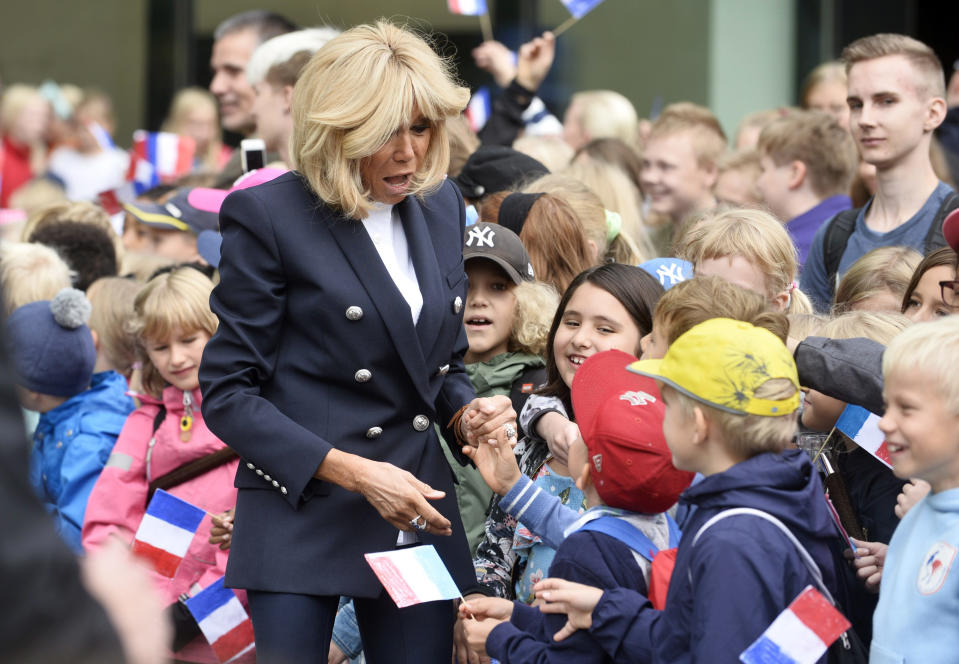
684 331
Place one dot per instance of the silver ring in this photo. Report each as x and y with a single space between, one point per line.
510 430
415 523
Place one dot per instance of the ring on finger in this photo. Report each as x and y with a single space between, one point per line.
416 525
510 430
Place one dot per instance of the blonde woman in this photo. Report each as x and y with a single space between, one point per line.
193 113
340 347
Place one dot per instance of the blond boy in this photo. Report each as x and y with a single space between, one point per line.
918 613
680 162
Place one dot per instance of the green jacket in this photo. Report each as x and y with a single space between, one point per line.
490 378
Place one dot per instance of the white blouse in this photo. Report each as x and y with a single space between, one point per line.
386 230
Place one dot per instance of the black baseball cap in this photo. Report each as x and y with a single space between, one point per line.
494 168
500 245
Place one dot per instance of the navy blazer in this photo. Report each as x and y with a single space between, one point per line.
316 349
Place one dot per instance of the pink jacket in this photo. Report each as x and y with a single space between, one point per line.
118 500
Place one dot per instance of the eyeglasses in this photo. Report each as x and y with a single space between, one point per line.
947 290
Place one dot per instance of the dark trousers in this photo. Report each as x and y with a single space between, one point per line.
296 629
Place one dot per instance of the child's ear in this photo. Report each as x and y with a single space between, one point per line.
797 174
700 426
96 340
583 481
288 97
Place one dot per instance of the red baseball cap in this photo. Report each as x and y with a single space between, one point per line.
950 230
620 416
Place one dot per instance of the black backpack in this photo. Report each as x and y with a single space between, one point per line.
531 379
844 223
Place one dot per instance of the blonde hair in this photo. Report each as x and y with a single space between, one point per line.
817 140
606 114
707 135
551 151
591 212
921 350
745 162
34 195
759 238
185 101
463 142
696 300
758 120
80 212
620 195
536 303
112 302
176 299
30 273
805 325
13 101
886 269
744 435
932 82
142 266
337 123
827 72
880 326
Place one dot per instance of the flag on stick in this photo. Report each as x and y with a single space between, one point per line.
479 109
166 531
862 427
468 7
578 9
223 620
800 634
159 157
414 575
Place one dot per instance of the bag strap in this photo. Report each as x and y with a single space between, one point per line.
934 238
834 243
803 553
630 535
534 376
190 470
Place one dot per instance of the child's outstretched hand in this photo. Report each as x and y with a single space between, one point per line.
868 561
222 530
911 494
576 600
495 461
559 434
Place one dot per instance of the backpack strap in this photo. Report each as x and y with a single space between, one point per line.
522 387
935 238
803 553
838 231
630 535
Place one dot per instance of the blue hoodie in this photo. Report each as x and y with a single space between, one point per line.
70 446
728 588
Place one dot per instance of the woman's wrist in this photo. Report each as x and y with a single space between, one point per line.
343 469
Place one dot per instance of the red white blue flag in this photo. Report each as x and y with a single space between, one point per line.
413 575
166 531
468 7
579 8
800 634
862 427
159 157
479 109
223 621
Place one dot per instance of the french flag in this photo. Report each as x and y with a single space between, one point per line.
223 621
413 575
579 8
862 427
800 634
479 109
166 531
158 157
468 7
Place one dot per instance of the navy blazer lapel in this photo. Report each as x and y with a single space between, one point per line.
428 275
356 245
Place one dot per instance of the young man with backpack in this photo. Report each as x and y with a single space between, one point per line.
896 97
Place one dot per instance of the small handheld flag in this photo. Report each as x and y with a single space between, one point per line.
414 575
479 109
158 157
862 427
800 634
467 7
579 8
166 531
223 620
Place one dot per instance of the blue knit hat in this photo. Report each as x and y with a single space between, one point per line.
51 345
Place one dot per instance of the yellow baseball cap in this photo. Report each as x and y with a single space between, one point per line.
722 362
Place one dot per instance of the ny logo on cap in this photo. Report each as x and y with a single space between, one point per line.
637 398
483 237
672 271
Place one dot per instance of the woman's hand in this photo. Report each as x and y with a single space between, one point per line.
559 434
534 61
495 58
484 416
576 600
399 497
911 494
868 561
222 530
496 462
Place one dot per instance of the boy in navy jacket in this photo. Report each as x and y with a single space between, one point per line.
628 477
731 394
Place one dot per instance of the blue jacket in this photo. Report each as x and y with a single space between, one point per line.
728 588
70 446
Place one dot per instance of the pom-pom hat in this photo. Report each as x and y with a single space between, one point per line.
620 416
51 345
722 362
